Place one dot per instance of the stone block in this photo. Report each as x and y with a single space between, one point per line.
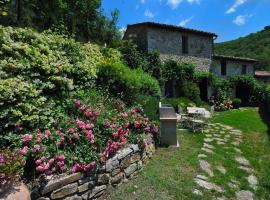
65 191
140 164
125 162
135 157
74 198
86 186
123 153
131 169
43 198
112 164
135 148
86 179
117 179
103 179
115 172
95 192
58 183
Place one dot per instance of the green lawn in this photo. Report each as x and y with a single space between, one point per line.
170 173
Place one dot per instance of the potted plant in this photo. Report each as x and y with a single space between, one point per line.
236 103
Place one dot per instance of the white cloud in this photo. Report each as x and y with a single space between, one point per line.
240 20
194 1
185 21
174 3
149 14
236 4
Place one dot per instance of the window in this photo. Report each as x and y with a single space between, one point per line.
184 44
223 68
244 69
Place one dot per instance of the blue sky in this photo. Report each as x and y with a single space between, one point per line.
230 19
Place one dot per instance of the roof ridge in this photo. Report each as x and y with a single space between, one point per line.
174 27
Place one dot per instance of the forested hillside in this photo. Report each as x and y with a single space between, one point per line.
255 45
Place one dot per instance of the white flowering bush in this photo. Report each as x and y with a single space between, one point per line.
36 69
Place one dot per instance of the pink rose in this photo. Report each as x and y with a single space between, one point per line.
24 150
61 157
51 161
40 169
47 133
137 124
115 134
89 126
71 130
124 115
36 148
38 162
27 138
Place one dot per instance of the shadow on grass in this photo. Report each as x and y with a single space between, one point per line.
265 115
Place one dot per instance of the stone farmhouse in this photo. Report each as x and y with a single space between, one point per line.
189 45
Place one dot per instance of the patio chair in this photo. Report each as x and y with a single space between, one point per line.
198 123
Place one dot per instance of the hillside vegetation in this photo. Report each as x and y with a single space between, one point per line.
255 45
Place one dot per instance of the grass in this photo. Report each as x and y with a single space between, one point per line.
256 146
170 173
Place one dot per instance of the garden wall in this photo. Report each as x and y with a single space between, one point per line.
124 164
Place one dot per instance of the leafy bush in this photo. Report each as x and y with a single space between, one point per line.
175 102
36 68
191 91
150 106
91 136
221 105
125 83
148 61
236 103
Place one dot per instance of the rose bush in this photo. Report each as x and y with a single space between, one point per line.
91 137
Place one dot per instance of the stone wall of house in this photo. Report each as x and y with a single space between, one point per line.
170 42
123 165
202 64
234 68
138 35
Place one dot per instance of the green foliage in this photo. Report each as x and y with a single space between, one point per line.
181 101
135 58
126 83
82 19
255 90
236 103
150 106
255 45
37 71
191 91
178 71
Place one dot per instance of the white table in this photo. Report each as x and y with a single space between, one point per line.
199 111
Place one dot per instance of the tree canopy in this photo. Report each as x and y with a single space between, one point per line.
81 18
255 45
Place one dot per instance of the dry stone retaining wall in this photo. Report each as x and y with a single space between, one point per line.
123 165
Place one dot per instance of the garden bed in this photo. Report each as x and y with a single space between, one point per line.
115 171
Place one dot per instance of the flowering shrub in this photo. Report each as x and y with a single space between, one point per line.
90 138
37 66
11 165
222 105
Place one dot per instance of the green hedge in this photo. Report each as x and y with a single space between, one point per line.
125 83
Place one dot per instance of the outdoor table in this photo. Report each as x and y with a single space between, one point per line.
196 111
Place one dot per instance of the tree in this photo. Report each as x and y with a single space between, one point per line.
82 18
